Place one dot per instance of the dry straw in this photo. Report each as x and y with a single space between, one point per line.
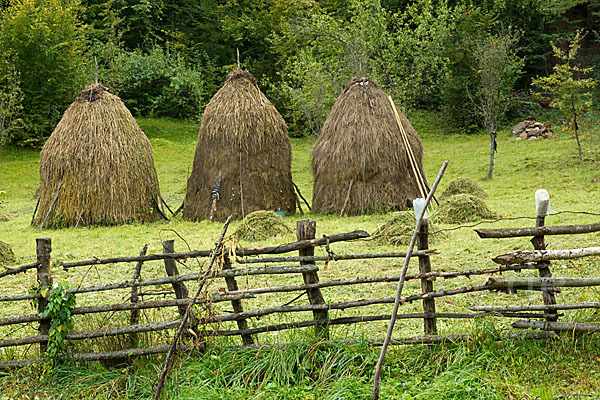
244 138
260 225
104 162
462 208
463 185
359 162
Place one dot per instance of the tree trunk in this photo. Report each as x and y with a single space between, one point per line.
576 128
493 146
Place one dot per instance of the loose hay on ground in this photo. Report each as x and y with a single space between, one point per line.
261 225
462 208
463 185
6 254
398 228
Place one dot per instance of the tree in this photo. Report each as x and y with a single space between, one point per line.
41 41
498 68
568 89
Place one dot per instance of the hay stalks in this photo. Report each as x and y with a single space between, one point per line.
462 208
260 225
105 162
463 185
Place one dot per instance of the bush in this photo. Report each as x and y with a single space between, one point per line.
158 83
40 41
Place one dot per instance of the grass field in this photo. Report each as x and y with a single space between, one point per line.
486 370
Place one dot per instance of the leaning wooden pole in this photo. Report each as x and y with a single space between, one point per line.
206 274
397 301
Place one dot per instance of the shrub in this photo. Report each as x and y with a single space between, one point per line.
40 41
158 83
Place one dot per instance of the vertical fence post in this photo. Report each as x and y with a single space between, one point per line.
306 229
134 317
542 206
430 323
179 288
237 304
43 250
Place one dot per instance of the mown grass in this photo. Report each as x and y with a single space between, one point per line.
526 370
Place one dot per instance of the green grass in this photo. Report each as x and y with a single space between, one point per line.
525 370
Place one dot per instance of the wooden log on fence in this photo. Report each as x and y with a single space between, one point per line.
557 326
302 244
20 319
149 257
306 230
241 252
382 279
237 304
536 307
544 266
18 270
354 320
520 257
337 257
541 283
179 288
107 355
44 279
134 317
292 269
96 333
537 231
429 324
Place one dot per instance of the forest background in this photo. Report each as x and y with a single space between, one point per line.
167 58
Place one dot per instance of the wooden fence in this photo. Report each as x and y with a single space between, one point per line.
238 262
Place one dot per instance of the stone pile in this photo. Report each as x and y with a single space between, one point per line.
532 130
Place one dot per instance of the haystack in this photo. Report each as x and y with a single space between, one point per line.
359 162
398 228
462 208
6 254
102 162
463 185
260 225
243 140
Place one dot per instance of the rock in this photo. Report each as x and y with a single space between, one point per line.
523 135
6 254
533 131
533 138
520 127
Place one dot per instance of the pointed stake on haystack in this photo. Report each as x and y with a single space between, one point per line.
237 50
188 312
398 299
96 69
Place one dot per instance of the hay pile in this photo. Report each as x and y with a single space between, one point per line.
398 228
463 185
104 161
6 254
359 161
244 139
260 225
462 208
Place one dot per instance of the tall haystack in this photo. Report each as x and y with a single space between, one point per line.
101 165
359 162
243 140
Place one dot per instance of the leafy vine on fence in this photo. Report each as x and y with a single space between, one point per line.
59 310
